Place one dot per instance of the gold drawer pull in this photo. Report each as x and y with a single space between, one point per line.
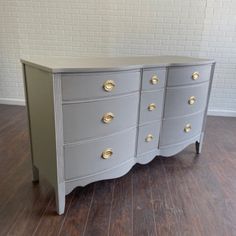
107 153
195 75
108 117
154 80
191 100
152 106
109 85
187 128
149 138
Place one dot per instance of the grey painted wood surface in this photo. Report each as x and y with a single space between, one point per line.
95 64
58 118
149 98
41 111
66 113
90 85
173 128
178 99
86 158
145 130
84 120
182 76
160 73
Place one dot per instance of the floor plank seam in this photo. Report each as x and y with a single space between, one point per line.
169 191
19 213
90 205
152 201
65 214
40 220
112 198
181 195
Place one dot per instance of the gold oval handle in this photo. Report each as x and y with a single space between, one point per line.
154 80
187 128
195 75
152 106
107 153
109 85
149 138
191 100
108 117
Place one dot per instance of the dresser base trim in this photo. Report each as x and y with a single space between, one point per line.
112 173
147 156
171 150
122 169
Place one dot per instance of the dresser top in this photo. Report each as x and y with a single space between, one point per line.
73 64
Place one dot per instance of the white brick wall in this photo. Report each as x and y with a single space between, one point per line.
204 28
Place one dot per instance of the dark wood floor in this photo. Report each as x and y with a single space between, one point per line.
182 195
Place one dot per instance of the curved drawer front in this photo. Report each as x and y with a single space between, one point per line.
185 100
148 137
188 75
153 78
93 85
151 106
87 119
180 129
99 155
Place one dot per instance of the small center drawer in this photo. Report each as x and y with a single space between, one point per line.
188 75
153 78
148 137
99 155
86 120
81 86
151 105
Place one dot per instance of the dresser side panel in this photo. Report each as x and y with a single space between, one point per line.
208 96
41 117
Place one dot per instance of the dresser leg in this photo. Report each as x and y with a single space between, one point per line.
35 171
60 199
198 146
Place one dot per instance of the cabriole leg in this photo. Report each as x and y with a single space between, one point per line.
199 143
35 172
198 146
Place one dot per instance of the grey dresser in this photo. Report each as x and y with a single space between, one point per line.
94 118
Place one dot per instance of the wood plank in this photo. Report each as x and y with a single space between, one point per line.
195 190
78 213
227 182
122 207
183 195
32 207
143 215
50 223
164 210
99 216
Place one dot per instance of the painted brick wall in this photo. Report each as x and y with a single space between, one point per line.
204 28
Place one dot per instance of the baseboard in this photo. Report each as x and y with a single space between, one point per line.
227 113
12 101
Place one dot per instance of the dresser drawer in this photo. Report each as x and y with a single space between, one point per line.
92 85
188 75
180 129
99 155
185 100
148 137
93 119
151 105
153 78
